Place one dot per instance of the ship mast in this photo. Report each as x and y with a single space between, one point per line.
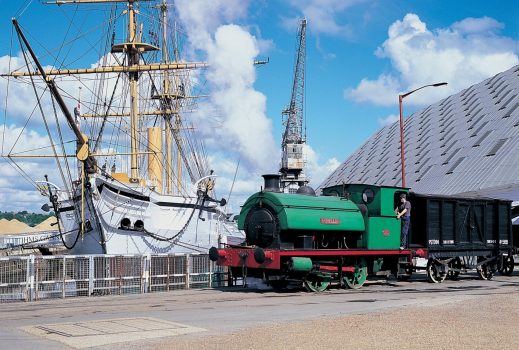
133 49
170 106
133 59
167 129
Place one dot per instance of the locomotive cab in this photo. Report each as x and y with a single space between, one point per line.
378 204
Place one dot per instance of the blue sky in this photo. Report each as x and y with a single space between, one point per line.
360 55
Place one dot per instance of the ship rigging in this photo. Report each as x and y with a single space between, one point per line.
161 199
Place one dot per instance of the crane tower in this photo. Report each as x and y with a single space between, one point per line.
294 136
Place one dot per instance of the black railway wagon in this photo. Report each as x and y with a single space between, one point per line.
461 233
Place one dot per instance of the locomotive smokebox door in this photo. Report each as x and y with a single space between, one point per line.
261 227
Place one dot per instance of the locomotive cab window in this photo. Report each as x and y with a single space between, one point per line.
368 195
333 193
397 198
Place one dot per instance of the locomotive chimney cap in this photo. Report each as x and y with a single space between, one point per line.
271 182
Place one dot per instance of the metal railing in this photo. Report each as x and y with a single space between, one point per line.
47 238
29 278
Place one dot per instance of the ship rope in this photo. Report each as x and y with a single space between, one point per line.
43 90
178 142
42 113
175 133
233 180
7 89
191 247
105 117
10 161
23 8
62 143
61 235
101 82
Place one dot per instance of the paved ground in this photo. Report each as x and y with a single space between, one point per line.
469 313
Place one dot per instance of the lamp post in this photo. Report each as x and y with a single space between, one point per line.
400 98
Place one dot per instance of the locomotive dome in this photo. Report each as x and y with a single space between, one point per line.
466 144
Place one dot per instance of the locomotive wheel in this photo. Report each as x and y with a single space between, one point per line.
356 279
454 264
434 273
314 283
508 265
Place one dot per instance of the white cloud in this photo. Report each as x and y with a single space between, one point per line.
19 200
201 18
375 91
477 25
231 52
390 119
22 104
316 169
21 140
17 192
241 187
322 14
463 54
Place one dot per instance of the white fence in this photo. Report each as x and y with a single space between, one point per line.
28 278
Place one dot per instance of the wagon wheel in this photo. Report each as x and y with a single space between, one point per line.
508 265
485 272
434 273
315 283
454 264
356 279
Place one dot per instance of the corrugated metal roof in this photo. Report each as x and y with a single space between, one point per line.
467 142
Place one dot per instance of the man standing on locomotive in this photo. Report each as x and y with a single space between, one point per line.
403 212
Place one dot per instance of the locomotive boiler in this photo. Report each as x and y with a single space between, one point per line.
276 220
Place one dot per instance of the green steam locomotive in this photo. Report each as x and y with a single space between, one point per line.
351 232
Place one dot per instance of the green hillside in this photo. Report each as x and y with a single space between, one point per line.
30 219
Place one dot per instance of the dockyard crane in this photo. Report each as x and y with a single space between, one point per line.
294 136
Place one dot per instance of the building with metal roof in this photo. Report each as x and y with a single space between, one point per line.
468 143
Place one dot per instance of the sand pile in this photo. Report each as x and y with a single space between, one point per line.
47 225
14 226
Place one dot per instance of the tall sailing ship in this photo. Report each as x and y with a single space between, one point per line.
141 182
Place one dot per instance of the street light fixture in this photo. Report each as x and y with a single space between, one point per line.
400 98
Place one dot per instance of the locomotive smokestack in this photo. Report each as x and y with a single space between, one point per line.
272 182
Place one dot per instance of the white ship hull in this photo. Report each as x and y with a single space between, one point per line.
119 220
